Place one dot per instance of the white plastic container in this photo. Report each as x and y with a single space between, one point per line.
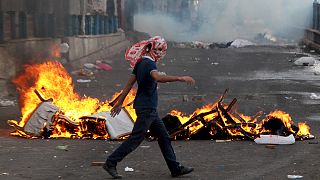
275 139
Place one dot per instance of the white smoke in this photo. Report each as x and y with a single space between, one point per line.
226 20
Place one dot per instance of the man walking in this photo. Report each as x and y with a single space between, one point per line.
143 57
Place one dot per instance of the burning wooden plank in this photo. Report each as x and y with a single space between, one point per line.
200 118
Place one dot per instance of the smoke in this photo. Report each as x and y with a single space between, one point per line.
226 20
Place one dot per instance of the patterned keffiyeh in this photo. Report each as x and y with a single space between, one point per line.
158 50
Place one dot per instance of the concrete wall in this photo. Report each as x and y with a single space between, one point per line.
312 35
312 39
91 48
85 45
7 70
16 53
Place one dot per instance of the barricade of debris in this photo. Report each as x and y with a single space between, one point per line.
265 38
215 122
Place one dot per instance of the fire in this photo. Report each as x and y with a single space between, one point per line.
53 82
184 118
284 117
54 86
304 129
238 126
55 53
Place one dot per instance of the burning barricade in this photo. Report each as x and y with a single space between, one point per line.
217 122
52 109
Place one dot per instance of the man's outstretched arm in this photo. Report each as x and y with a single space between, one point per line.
159 77
117 107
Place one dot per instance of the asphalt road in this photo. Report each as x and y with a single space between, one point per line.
261 78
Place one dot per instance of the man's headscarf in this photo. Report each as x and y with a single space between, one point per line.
158 50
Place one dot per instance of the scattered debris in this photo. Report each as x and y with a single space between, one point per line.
41 118
5 103
180 45
275 139
117 126
220 45
314 96
128 169
103 66
316 69
198 98
220 141
89 66
270 146
84 72
63 147
305 61
265 38
97 163
295 176
199 44
314 142
202 45
239 43
288 97
83 80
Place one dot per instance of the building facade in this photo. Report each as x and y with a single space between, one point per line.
32 31
57 18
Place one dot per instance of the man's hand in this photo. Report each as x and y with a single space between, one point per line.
159 77
189 80
116 109
119 100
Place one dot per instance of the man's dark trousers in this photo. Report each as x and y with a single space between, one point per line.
146 119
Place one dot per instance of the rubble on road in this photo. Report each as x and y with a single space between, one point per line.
5 103
305 61
128 169
239 43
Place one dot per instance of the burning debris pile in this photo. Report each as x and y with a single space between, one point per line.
52 109
217 122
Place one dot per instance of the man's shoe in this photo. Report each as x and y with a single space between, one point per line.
112 171
182 170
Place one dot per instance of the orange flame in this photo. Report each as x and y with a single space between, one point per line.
304 129
55 53
53 81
